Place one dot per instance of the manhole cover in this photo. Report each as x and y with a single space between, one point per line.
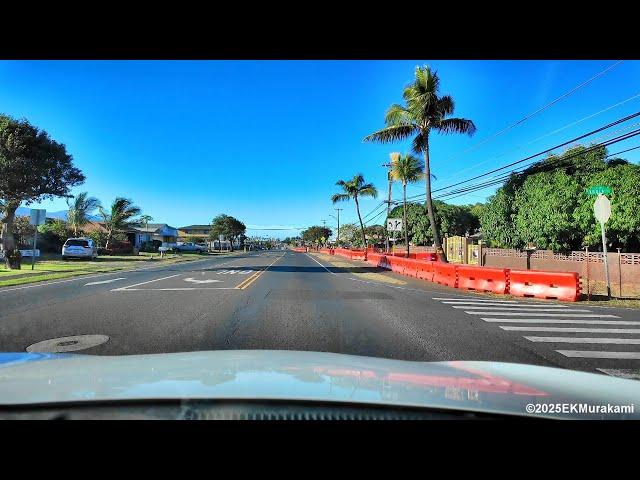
68 344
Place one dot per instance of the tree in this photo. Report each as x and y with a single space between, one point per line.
547 204
145 219
227 226
23 230
406 169
377 233
354 189
315 234
119 217
79 210
349 234
53 234
424 110
33 167
451 220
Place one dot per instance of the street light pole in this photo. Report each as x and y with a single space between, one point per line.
338 232
388 201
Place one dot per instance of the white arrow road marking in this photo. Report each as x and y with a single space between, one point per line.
104 281
193 280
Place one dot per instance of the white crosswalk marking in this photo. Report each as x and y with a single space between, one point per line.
561 315
567 322
617 341
515 305
574 321
234 272
572 329
596 354
520 309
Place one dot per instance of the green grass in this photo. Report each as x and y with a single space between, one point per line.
52 267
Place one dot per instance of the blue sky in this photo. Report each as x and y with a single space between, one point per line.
265 141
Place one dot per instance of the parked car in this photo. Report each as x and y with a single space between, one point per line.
79 248
190 247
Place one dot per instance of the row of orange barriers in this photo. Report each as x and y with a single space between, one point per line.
522 283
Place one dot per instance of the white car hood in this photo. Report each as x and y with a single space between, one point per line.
36 378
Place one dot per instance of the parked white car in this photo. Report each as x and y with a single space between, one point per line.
79 248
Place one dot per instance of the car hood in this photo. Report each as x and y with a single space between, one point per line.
492 387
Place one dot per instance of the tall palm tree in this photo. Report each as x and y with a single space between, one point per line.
119 217
356 188
406 169
79 210
145 219
424 110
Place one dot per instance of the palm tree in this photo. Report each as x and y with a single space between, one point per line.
145 219
119 217
355 188
424 110
79 210
406 168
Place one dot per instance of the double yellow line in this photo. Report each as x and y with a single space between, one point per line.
245 283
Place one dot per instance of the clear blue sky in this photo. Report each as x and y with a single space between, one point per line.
265 141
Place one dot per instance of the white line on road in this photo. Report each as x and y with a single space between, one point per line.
144 283
86 277
630 373
515 308
596 354
104 281
546 320
466 299
177 289
505 304
528 314
594 340
572 329
617 341
332 273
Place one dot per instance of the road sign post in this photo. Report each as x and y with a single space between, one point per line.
602 212
36 217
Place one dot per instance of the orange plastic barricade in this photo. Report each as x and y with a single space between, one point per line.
547 285
483 279
425 256
446 274
376 259
425 270
357 254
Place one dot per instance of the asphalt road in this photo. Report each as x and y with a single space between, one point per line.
295 301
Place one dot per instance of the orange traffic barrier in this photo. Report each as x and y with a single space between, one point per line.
425 256
483 279
446 274
425 270
376 259
547 285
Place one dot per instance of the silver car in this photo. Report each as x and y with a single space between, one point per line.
79 248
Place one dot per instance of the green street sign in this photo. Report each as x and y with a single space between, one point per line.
599 189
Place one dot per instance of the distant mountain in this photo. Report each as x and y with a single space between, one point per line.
60 215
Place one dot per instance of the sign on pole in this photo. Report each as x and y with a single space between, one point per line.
599 190
602 212
37 216
394 224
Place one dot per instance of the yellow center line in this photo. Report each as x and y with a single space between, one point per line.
243 285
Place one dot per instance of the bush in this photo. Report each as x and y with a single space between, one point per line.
119 248
151 247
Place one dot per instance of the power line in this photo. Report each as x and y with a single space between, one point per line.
541 109
548 134
609 125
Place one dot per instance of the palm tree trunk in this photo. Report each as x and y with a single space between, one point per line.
364 238
432 218
404 208
8 242
109 234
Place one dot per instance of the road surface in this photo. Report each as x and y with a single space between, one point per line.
297 301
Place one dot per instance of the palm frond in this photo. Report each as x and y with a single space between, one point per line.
392 133
368 190
446 105
340 197
455 125
398 115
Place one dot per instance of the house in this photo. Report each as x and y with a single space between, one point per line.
161 232
200 233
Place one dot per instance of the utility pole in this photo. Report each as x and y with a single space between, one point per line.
388 202
338 232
